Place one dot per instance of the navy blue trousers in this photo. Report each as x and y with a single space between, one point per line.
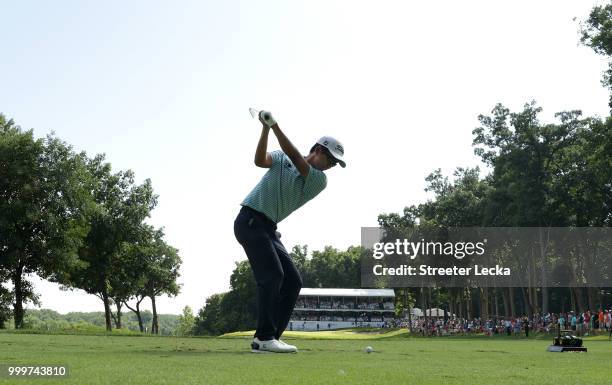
278 280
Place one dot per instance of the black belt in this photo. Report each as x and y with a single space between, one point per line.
261 216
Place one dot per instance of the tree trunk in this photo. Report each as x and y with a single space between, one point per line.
425 307
506 300
118 303
496 303
107 310
468 302
533 301
511 297
451 302
460 295
407 306
137 311
543 255
591 294
18 287
484 303
563 300
580 306
154 323
140 323
527 300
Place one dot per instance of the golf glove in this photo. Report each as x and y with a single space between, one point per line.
266 117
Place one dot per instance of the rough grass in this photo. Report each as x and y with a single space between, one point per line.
324 358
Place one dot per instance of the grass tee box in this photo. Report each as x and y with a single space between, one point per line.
324 358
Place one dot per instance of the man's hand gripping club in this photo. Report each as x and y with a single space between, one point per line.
264 159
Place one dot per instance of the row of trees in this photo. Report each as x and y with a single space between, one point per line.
236 309
543 175
49 320
71 220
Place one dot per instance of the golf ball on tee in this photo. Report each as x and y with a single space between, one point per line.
369 349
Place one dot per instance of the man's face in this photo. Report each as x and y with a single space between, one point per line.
323 159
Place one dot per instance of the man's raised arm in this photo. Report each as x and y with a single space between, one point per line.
292 152
262 157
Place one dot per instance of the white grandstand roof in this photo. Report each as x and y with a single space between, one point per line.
315 292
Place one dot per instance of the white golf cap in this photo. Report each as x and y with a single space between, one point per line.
335 148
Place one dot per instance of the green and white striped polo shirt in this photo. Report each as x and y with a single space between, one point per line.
282 189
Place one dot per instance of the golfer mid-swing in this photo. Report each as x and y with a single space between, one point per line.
291 181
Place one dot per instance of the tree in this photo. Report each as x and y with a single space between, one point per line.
209 319
584 176
128 273
161 270
596 142
529 161
234 310
186 323
123 280
136 309
120 209
335 268
6 299
461 202
43 207
131 284
299 256
239 306
146 266
596 32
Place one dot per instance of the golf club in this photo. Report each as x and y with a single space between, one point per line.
255 114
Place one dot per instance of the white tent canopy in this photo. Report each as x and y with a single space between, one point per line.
416 312
433 312
437 312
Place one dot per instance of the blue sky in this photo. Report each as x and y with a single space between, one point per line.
163 88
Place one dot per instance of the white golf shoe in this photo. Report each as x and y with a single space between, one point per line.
271 346
286 344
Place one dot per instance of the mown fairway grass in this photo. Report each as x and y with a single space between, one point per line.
397 359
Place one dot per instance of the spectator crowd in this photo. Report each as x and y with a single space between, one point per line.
582 324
